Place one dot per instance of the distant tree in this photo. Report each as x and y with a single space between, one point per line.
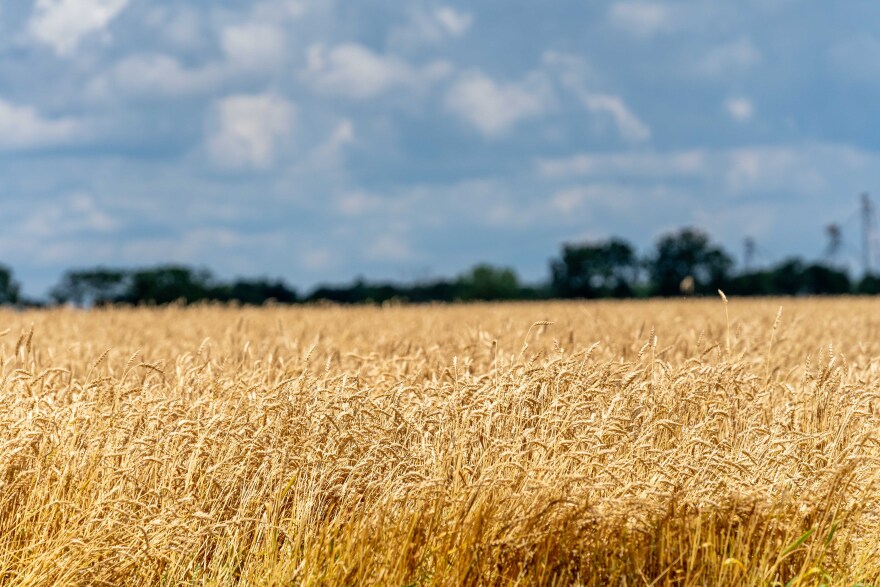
485 282
595 270
10 290
92 287
169 283
787 278
255 292
359 292
869 284
794 277
824 280
440 290
688 252
753 283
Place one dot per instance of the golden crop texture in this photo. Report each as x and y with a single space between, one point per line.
626 443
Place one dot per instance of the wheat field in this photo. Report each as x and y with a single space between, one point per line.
619 443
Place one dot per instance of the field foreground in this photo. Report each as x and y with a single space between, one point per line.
629 443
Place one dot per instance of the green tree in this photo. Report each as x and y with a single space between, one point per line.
90 287
169 283
824 280
256 291
688 253
595 270
869 284
10 290
485 282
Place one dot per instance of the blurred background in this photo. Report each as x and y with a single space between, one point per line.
314 141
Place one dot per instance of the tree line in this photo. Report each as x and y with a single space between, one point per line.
684 262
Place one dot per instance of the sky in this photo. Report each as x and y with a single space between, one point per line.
319 140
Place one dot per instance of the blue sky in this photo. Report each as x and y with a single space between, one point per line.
317 140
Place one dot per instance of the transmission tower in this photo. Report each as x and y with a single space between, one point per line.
835 242
867 232
749 248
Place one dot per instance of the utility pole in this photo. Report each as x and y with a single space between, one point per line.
867 236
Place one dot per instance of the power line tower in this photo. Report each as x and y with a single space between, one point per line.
749 249
835 243
867 233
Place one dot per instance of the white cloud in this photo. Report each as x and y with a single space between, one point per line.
177 25
493 108
804 169
249 48
575 74
429 27
808 169
62 24
740 109
389 248
254 45
276 10
454 22
610 197
628 124
23 128
358 203
568 200
155 75
75 214
249 129
195 243
317 259
354 71
729 59
573 71
641 18
642 165
328 152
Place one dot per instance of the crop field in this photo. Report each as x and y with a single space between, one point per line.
611 443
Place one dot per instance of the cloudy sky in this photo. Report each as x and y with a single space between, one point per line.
317 140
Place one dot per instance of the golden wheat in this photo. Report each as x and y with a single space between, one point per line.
629 443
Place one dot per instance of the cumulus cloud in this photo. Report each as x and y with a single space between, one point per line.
431 26
24 128
389 247
254 45
236 247
62 24
178 26
804 169
249 129
354 71
728 59
276 10
575 75
76 213
643 165
641 18
155 74
455 23
317 259
808 170
628 124
612 198
328 152
493 107
740 109
358 203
